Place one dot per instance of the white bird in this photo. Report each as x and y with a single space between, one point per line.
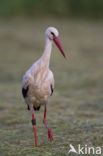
38 81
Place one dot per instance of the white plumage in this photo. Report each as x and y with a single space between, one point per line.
39 78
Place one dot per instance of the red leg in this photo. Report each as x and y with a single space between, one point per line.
34 125
50 135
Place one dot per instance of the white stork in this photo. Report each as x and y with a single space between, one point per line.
38 81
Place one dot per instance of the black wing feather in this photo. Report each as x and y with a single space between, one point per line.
51 90
25 91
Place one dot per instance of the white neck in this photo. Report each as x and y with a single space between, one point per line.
47 51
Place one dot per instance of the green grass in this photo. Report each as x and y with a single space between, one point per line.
75 111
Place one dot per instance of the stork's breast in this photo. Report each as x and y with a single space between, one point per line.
39 94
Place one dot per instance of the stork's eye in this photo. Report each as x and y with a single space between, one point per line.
52 33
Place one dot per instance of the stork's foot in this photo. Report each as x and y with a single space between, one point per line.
50 135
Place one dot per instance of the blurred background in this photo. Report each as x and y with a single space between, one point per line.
75 111
64 8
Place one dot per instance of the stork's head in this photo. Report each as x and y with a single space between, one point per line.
52 33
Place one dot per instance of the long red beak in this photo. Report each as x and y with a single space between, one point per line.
57 42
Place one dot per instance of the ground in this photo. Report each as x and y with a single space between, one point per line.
75 111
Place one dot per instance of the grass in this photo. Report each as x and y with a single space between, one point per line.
75 111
